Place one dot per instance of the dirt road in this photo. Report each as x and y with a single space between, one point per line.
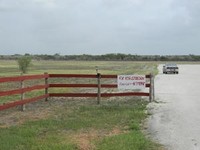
175 119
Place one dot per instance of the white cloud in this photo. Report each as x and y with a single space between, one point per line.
99 24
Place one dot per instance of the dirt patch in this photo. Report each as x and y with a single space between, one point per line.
14 116
84 139
116 131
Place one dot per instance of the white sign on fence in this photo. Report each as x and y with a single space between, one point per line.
126 82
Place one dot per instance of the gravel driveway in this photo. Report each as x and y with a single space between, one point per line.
175 119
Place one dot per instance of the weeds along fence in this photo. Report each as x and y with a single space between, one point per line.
44 87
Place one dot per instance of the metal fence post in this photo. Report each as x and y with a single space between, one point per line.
99 88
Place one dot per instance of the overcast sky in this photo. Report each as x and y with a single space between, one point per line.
163 27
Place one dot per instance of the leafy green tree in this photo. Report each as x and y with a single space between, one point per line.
24 63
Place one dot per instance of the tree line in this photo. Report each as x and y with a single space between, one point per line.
105 57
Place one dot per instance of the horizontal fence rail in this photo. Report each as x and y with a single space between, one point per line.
22 78
95 94
46 86
22 102
86 85
23 90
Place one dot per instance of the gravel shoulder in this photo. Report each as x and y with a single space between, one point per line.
175 119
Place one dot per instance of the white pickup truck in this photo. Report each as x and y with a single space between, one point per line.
170 68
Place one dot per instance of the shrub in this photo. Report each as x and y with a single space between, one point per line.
24 63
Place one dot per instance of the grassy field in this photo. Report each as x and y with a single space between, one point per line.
10 68
77 123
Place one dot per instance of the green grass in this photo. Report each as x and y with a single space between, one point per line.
73 124
133 140
10 68
57 132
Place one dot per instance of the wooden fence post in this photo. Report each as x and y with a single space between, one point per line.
99 88
46 83
23 107
151 88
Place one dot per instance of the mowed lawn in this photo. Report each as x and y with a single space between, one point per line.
77 123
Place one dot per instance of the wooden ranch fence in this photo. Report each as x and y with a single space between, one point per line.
46 86
22 90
